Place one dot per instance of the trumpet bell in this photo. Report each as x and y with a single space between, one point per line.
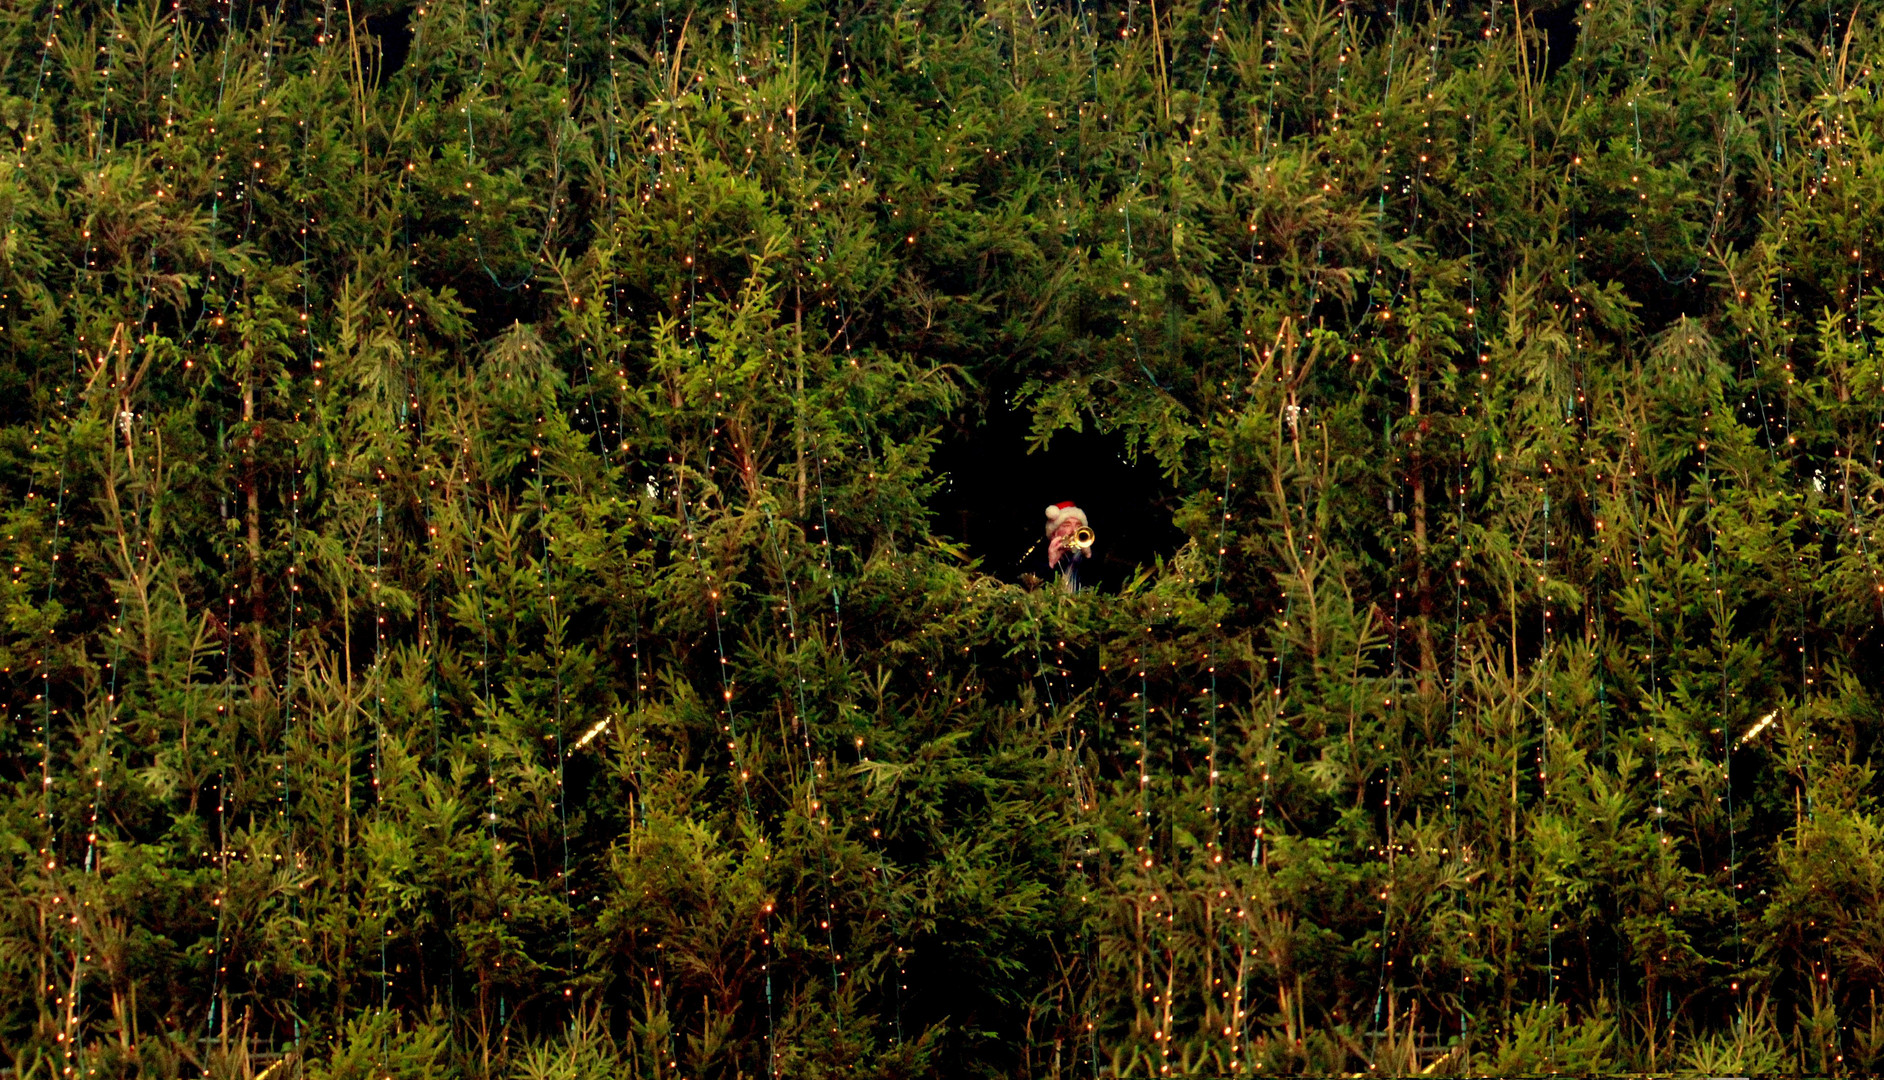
1082 539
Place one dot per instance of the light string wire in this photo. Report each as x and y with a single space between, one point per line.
123 341
1396 703
825 917
819 811
291 825
771 938
1394 688
1455 699
1084 787
431 546
1778 348
1721 133
557 181
1650 614
1232 1032
554 636
487 703
47 852
225 714
376 682
1044 674
1214 848
26 129
741 772
664 138
52 851
1654 704
1544 662
215 205
1236 1032
1397 19
248 441
1578 435
1725 728
75 1045
470 568
554 625
1133 317
98 136
1346 49
828 561
223 852
69 926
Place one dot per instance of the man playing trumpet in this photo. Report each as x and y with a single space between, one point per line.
1069 541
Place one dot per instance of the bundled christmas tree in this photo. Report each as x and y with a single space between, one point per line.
477 607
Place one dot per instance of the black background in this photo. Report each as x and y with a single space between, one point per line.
995 494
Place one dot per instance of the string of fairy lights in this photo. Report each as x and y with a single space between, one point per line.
1271 703
100 730
1235 1029
1413 185
51 853
115 393
1489 41
242 464
41 730
819 812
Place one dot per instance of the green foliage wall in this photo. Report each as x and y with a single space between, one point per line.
472 608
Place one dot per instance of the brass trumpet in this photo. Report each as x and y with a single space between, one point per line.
1082 539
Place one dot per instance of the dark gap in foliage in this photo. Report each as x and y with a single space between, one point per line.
1559 26
1377 18
994 496
494 308
393 31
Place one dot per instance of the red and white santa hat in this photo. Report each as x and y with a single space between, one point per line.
1059 513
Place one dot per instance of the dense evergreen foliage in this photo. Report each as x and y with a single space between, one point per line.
476 607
